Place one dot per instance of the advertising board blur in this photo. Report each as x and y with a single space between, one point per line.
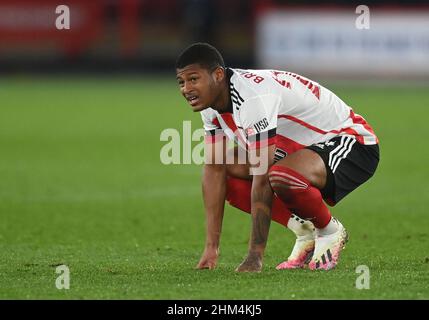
330 42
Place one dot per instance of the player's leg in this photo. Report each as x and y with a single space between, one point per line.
239 186
297 180
239 195
348 164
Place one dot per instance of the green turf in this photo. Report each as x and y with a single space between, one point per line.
81 184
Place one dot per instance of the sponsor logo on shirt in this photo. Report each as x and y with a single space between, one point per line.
261 125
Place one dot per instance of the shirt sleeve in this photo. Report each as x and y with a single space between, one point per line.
213 130
259 120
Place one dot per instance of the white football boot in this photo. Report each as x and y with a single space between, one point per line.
304 244
329 243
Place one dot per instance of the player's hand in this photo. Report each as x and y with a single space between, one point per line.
252 263
208 259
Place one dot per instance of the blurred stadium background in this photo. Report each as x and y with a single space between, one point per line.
146 35
81 112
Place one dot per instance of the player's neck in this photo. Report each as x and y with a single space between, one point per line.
223 102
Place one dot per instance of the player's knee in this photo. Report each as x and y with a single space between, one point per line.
277 180
236 165
286 181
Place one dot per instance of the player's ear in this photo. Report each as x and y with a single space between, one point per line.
219 74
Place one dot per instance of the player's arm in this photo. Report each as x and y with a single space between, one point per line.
261 201
214 193
259 120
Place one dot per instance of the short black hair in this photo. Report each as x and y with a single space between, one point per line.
200 53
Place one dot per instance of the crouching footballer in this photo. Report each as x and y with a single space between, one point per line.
304 148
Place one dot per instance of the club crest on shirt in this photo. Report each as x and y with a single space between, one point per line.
250 131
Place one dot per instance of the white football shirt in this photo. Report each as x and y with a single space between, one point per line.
283 108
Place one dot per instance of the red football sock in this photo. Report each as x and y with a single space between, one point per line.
239 195
299 195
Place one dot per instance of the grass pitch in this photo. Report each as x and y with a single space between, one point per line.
81 184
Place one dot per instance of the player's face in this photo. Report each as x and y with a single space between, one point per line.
198 85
